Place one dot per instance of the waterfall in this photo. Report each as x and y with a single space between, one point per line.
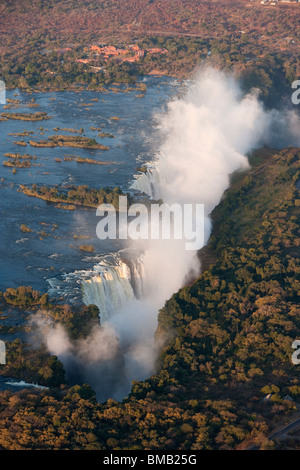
109 288
150 182
137 275
115 280
206 137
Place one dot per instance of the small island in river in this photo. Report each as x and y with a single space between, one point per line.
69 141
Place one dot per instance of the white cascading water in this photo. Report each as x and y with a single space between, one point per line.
150 182
110 285
136 265
110 288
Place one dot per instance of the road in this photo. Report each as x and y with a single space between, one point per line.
282 434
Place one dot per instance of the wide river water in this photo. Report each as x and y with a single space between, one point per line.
26 259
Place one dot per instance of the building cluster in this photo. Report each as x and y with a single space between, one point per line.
131 53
